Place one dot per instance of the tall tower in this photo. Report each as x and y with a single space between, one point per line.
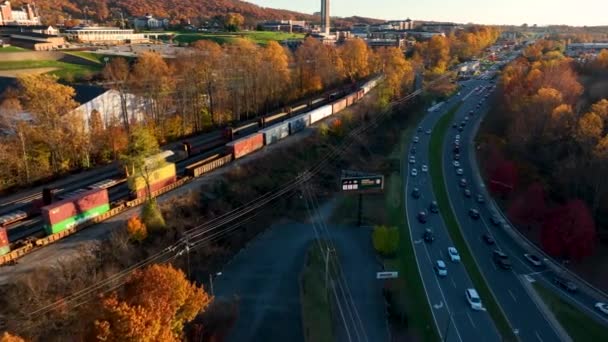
325 21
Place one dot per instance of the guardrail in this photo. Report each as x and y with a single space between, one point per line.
523 241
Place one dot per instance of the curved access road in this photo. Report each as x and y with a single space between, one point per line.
453 316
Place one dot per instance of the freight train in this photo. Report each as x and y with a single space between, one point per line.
81 208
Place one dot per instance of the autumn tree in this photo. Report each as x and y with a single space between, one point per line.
233 22
7 337
385 240
136 229
569 231
355 58
139 161
154 305
209 66
153 79
317 66
50 104
602 59
275 74
398 72
117 73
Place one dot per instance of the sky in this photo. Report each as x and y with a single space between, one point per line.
514 12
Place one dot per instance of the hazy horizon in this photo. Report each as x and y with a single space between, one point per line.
514 12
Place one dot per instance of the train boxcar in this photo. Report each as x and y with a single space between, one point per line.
351 99
207 165
320 113
270 119
154 186
370 85
246 145
73 211
338 106
275 133
164 172
298 123
4 244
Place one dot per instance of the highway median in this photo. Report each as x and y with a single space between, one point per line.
440 190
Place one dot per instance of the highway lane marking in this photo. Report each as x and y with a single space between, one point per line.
512 296
453 282
538 336
471 319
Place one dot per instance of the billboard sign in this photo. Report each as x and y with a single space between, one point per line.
364 183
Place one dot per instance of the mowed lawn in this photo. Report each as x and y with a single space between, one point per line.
259 37
63 70
11 49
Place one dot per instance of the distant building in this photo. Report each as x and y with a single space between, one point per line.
577 49
104 35
376 43
445 28
400 25
360 30
38 41
27 15
15 29
108 104
423 35
285 26
148 22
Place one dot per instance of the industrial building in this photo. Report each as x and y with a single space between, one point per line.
104 35
27 15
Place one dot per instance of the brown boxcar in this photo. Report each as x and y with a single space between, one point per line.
246 145
59 211
157 185
338 106
200 168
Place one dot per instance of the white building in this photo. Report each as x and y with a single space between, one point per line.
104 35
27 15
148 22
109 105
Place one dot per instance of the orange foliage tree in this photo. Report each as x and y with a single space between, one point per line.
7 337
136 229
154 305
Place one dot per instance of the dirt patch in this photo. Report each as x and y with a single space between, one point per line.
18 72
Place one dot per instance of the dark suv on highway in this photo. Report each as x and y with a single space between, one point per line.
565 284
502 260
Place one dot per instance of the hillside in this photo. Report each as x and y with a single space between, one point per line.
54 11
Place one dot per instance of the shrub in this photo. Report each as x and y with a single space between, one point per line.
151 216
136 229
385 240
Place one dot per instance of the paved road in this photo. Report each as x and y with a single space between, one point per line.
455 320
521 310
265 278
506 284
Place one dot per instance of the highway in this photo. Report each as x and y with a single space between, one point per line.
525 317
506 285
453 316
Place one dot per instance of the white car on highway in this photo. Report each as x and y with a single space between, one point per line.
412 160
416 139
603 307
425 168
533 259
441 268
414 172
454 256
473 299
456 163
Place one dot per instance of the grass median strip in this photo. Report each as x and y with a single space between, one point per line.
577 324
411 291
436 171
314 298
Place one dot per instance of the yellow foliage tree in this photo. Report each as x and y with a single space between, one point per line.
7 337
155 305
355 56
136 229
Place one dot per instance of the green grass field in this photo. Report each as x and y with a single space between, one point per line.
64 70
577 324
314 298
436 171
11 49
259 37
93 57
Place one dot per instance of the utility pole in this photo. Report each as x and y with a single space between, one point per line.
211 284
